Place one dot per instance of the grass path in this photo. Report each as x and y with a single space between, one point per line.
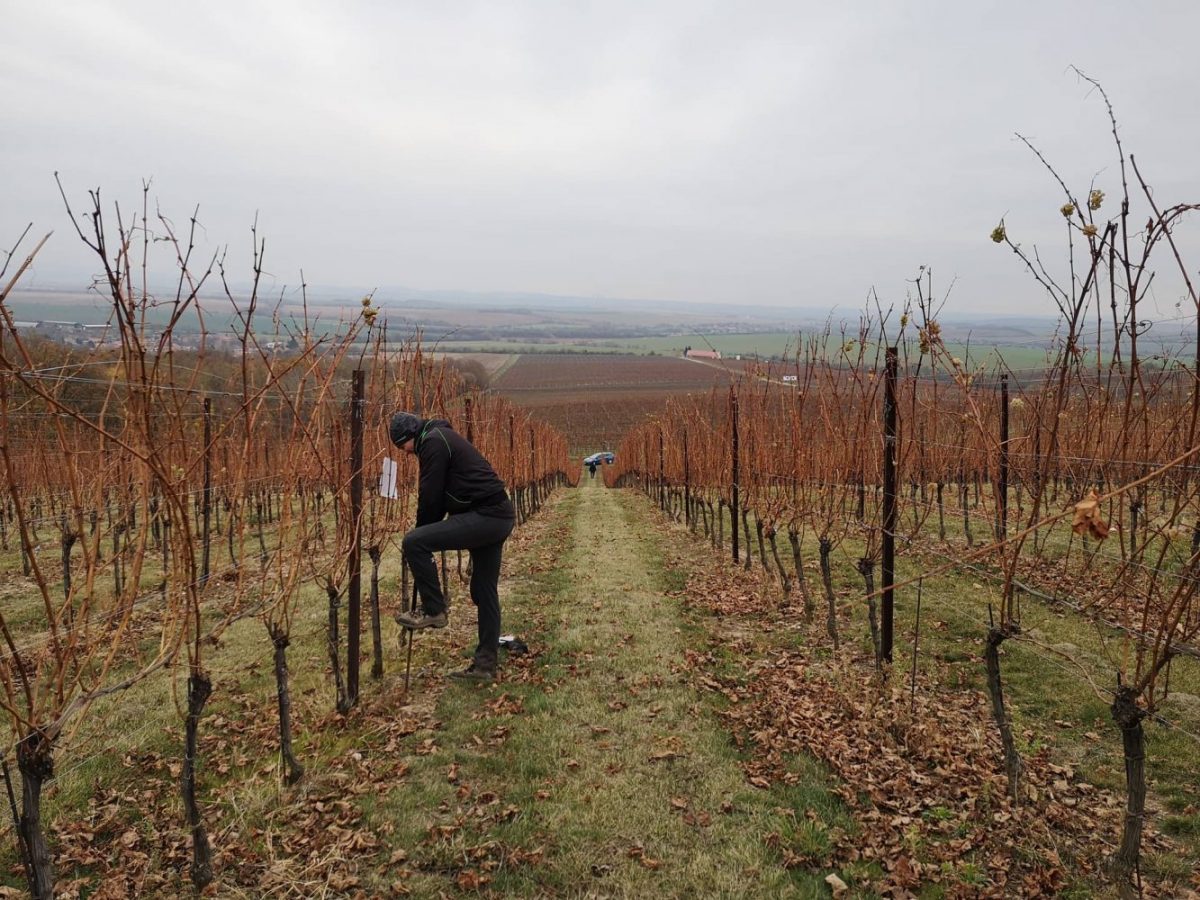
593 768
600 765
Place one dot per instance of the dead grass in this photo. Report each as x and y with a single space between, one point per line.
620 781
596 767
1057 678
593 767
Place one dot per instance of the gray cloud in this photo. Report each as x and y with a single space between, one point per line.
777 153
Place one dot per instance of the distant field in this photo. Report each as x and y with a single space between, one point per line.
760 343
539 372
569 331
96 308
595 419
784 343
594 399
765 345
527 346
492 363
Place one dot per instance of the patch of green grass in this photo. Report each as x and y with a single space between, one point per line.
624 780
1168 867
1052 704
614 808
858 874
1182 826
1051 701
673 578
937 814
1178 804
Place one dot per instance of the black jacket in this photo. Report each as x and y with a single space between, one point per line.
455 477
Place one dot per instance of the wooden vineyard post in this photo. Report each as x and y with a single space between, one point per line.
22 850
889 507
354 561
512 455
1002 485
1128 716
733 509
687 485
662 468
207 501
199 689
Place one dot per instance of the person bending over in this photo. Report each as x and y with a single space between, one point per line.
461 505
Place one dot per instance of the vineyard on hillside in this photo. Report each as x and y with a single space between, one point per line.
154 498
595 399
160 504
1075 485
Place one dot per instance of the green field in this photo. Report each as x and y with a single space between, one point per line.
775 344
526 346
763 344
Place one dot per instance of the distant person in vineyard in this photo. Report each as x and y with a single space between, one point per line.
456 480
592 467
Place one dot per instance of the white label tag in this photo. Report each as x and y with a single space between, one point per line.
387 479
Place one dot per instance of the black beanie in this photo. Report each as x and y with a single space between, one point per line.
404 426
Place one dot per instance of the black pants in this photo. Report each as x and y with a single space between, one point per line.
484 537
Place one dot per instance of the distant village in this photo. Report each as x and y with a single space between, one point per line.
98 337
72 334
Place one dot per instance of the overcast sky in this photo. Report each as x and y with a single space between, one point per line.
790 153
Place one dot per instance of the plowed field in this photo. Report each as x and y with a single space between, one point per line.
596 398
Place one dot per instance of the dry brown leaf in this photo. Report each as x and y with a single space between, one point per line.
895 769
1087 518
468 880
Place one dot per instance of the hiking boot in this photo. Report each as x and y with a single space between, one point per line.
419 619
475 672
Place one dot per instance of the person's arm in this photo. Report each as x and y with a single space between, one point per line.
435 466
